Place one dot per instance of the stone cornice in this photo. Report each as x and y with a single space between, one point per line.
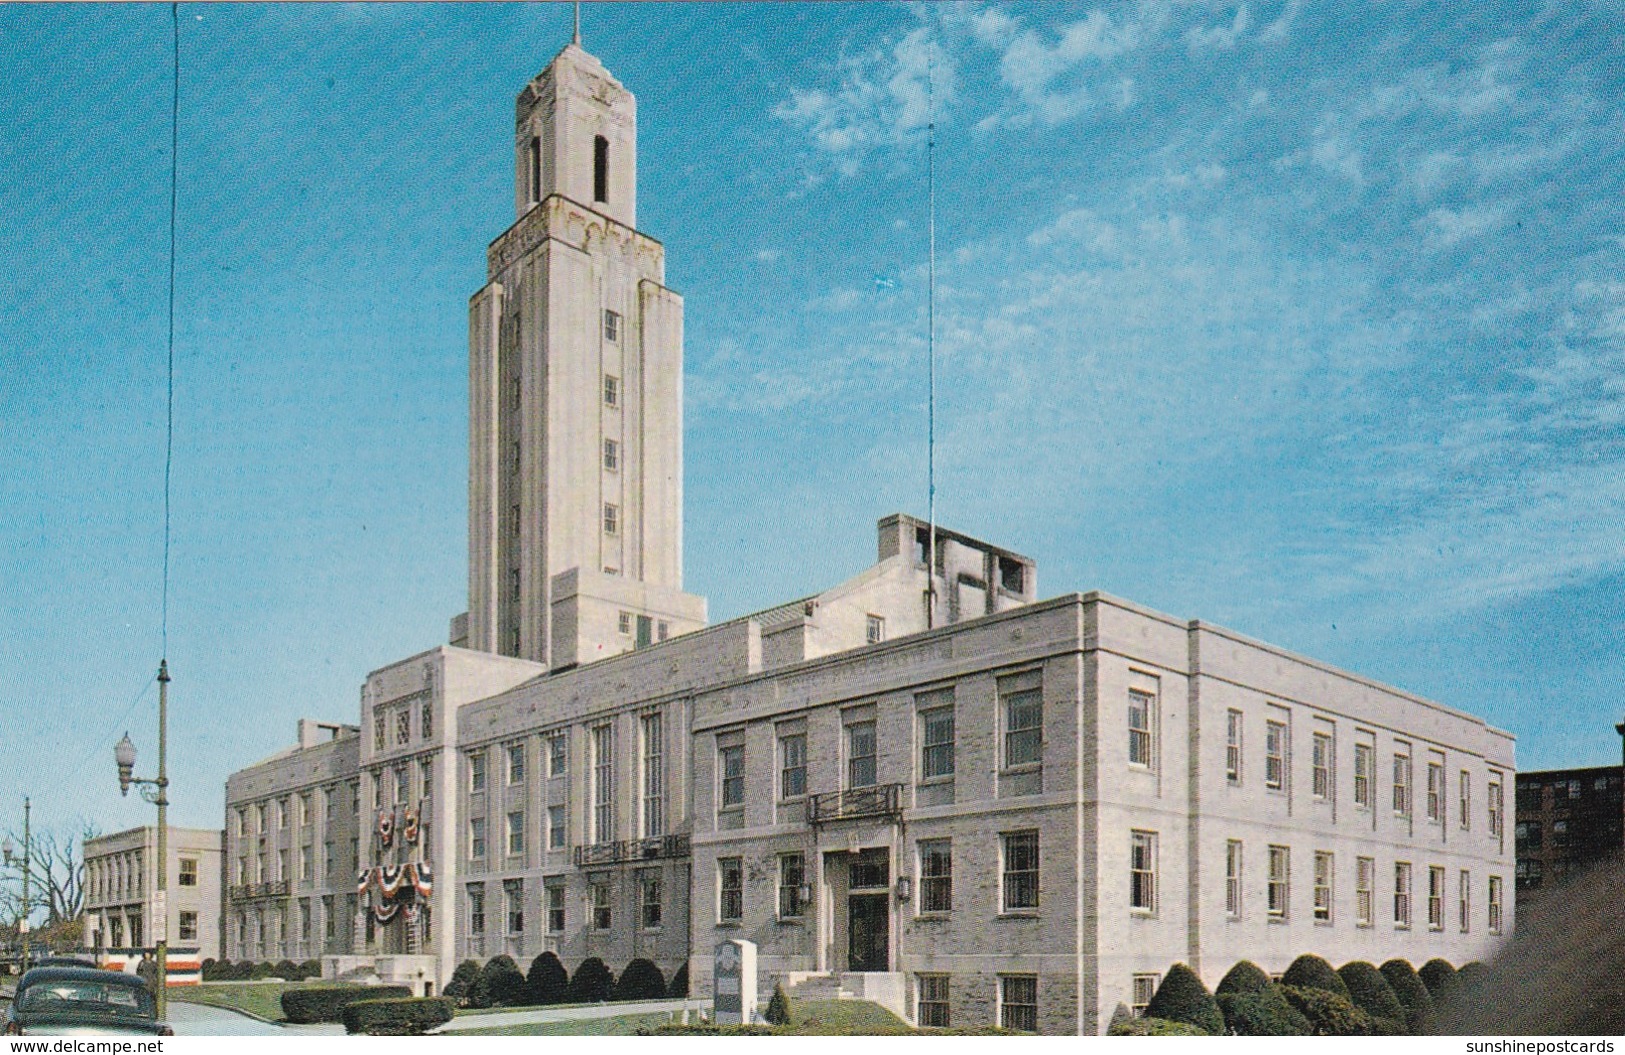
564 220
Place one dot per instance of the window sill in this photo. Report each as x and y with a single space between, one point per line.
934 917
1142 913
1323 923
791 921
1279 920
929 782
1018 913
729 924
1025 767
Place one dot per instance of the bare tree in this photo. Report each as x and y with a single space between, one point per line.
56 876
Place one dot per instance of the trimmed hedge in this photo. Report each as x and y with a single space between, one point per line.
1264 1013
1156 1027
1183 998
1441 979
326 1003
592 983
1245 977
310 969
1311 972
678 987
397 1018
461 986
1372 994
1411 992
1329 1015
1471 975
547 981
500 984
641 980
778 1008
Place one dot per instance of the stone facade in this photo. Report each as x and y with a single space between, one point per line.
121 885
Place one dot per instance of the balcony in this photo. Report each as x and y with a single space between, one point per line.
631 850
881 800
257 891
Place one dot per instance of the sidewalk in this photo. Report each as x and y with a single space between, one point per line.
490 1019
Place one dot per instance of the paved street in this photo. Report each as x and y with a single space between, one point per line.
200 1020
560 1014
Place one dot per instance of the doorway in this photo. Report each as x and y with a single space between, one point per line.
868 926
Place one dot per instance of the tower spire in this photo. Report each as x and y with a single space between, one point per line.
575 37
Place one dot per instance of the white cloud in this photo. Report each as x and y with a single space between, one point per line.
1443 228
1219 38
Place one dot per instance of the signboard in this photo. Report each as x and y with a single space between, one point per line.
160 915
733 982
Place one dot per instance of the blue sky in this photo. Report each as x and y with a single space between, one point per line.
1305 319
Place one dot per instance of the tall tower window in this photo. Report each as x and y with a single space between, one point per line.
535 169
612 519
612 391
612 326
600 169
612 455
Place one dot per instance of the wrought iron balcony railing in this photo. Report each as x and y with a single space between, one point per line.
880 800
253 891
632 850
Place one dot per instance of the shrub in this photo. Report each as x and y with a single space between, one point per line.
1329 1015
1413 995
679 982
1471 975
261 970
1264 1013
641 980
326 1003
1155 1027
547 981
397 1018
286 970
461 986
1245 977
591 983
778 1008
206 968
1311 972
1183 998
1371 993
500 984
310 969
1441 979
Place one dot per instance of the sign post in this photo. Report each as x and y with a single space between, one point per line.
733 983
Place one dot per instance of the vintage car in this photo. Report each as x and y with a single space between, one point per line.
83 1001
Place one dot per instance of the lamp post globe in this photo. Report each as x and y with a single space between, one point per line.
8 848
124 755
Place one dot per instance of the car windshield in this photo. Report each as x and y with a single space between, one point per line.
69 996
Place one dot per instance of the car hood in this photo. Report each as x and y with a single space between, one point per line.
85 1026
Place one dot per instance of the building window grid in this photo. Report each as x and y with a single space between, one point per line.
1495 905
861 761
558 757
792 873
1143 872
654 776
516 833
1324 872
874 629
1464 896
1020 871
1018 1002
937 743
612 519
649 898
1494 809
612 456
1023 727
1464 797
1362 775
555 908
516 762
1142 988
603 916
1274 755
1280 881
936 876
1402 784
731 766
476 838
1365 872
1435 898
1232 878
931 1008
603 757
730 889
1402 894
792 765
1140 707
1435 803
476 771
1232 747
1320 783
612 391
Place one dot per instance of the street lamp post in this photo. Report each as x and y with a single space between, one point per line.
156 792
28 867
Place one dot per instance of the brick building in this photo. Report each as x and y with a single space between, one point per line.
1567 819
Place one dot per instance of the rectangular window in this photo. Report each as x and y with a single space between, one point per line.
304 921
476 771
1232 747
937 742
516 832
304 810
1018 1002
188 876
189 925
516 763
792 873
1139 727
1402 784
612 519
612 391
555 828
514 890
654 775
330 923
426 776
603 784
1142 872
936 875
534 157
1274 755
1323 886
623 623
1495 904
875 629
612 323
1464 898
307 867
1280 881
731 767
612 455
1320 783
1436 792
1435 898
1365 879
476 838
1362 775
931 1010
649 899
792 765
379 742
1144 987
602 916
861 771
1022 704
1232 878
1464 800
476 908
1402 894
403 726
1495 809
730 889
282 814
555 908
403 784
557 755
1020 872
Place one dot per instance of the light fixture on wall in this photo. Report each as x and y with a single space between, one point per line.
905 888
804 893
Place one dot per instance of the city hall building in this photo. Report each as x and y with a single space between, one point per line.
923 786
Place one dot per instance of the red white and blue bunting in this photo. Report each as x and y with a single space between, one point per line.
408 887
386 827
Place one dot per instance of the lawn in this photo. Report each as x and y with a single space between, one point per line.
261 999
615 1026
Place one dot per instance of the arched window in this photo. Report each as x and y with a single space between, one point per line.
535 169
600 169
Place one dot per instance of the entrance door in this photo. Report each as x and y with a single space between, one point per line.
868 944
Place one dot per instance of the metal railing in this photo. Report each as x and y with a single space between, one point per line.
253 891
881 800
632 850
